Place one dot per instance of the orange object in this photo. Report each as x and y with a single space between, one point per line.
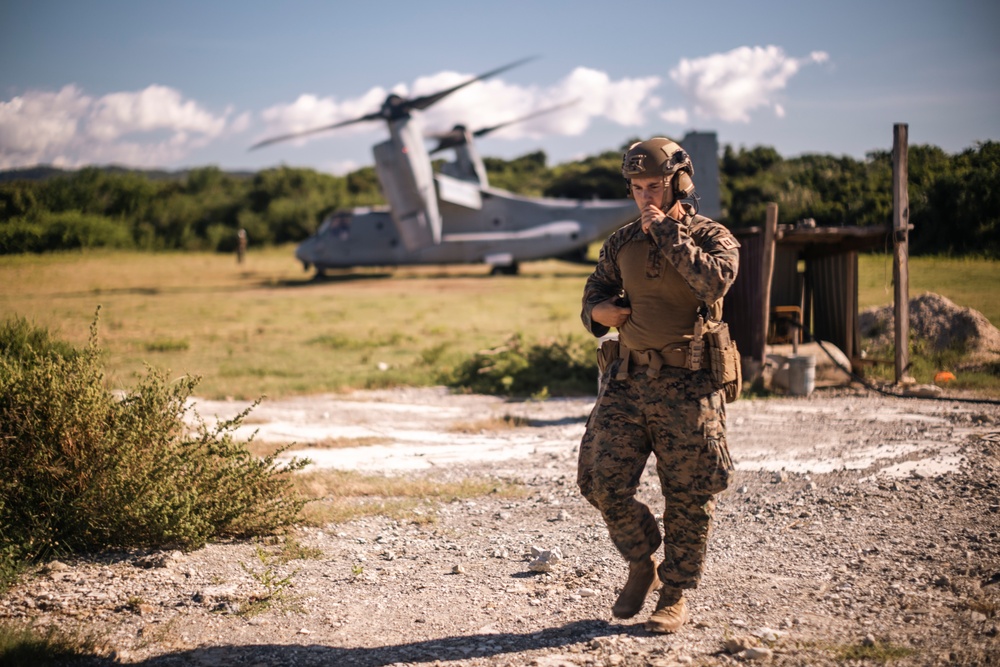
944 377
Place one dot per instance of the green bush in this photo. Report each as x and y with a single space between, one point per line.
565 367
85 470
23 343
68 230
21 236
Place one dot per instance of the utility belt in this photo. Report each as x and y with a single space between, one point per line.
712 350
653 360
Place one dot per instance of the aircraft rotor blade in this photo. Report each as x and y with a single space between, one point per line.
541 112
456 136
425 101
304 133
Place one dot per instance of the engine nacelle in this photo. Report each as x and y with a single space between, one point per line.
404 170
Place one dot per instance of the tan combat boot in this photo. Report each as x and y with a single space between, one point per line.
641 582
671 612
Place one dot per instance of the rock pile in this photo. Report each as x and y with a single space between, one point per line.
938 321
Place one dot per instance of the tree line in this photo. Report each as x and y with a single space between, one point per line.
954 198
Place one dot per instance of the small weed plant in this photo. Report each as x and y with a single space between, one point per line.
873 653
85 470
270 580
292 549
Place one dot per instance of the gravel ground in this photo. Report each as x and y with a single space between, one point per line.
859 529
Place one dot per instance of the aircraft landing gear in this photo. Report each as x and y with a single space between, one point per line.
505 269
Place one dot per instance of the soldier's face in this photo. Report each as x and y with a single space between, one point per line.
649 190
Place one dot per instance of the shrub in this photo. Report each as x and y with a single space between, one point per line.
84 470
67 230
559 368
25 344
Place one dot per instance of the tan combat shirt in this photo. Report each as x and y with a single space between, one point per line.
667 275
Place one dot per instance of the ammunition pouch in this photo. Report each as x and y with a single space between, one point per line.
724 361
606 353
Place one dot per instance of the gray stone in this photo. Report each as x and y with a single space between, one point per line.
757 653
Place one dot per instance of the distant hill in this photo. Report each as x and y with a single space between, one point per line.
45 172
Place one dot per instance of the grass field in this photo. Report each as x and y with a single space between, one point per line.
972 283
267 328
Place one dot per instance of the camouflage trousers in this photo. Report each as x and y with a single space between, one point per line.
678 418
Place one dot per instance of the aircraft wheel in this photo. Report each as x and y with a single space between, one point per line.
505 270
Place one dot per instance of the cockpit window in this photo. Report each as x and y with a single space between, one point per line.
338 225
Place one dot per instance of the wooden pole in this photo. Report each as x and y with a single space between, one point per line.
900 243
767 269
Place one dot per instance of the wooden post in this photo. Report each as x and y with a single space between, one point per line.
766 271
900 244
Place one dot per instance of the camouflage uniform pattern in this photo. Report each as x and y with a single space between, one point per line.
703 251
677 416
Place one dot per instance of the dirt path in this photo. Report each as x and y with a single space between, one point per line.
858 526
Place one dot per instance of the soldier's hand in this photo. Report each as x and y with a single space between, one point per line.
610 315
651 214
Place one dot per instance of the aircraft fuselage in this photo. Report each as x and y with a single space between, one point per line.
499 229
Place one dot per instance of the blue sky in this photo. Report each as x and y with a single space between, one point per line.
180 84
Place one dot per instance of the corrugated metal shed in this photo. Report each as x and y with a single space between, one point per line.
743 301
815 269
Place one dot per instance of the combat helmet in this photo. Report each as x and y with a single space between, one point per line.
659 156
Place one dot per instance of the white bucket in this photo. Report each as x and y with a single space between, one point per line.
801 375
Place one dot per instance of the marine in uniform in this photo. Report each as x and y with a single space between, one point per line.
656 279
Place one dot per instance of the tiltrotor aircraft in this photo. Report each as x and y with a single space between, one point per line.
452 217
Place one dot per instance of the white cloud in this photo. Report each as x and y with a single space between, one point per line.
151 127
340 167
155 108
624 102
730 85
677 116
241 123
40 121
